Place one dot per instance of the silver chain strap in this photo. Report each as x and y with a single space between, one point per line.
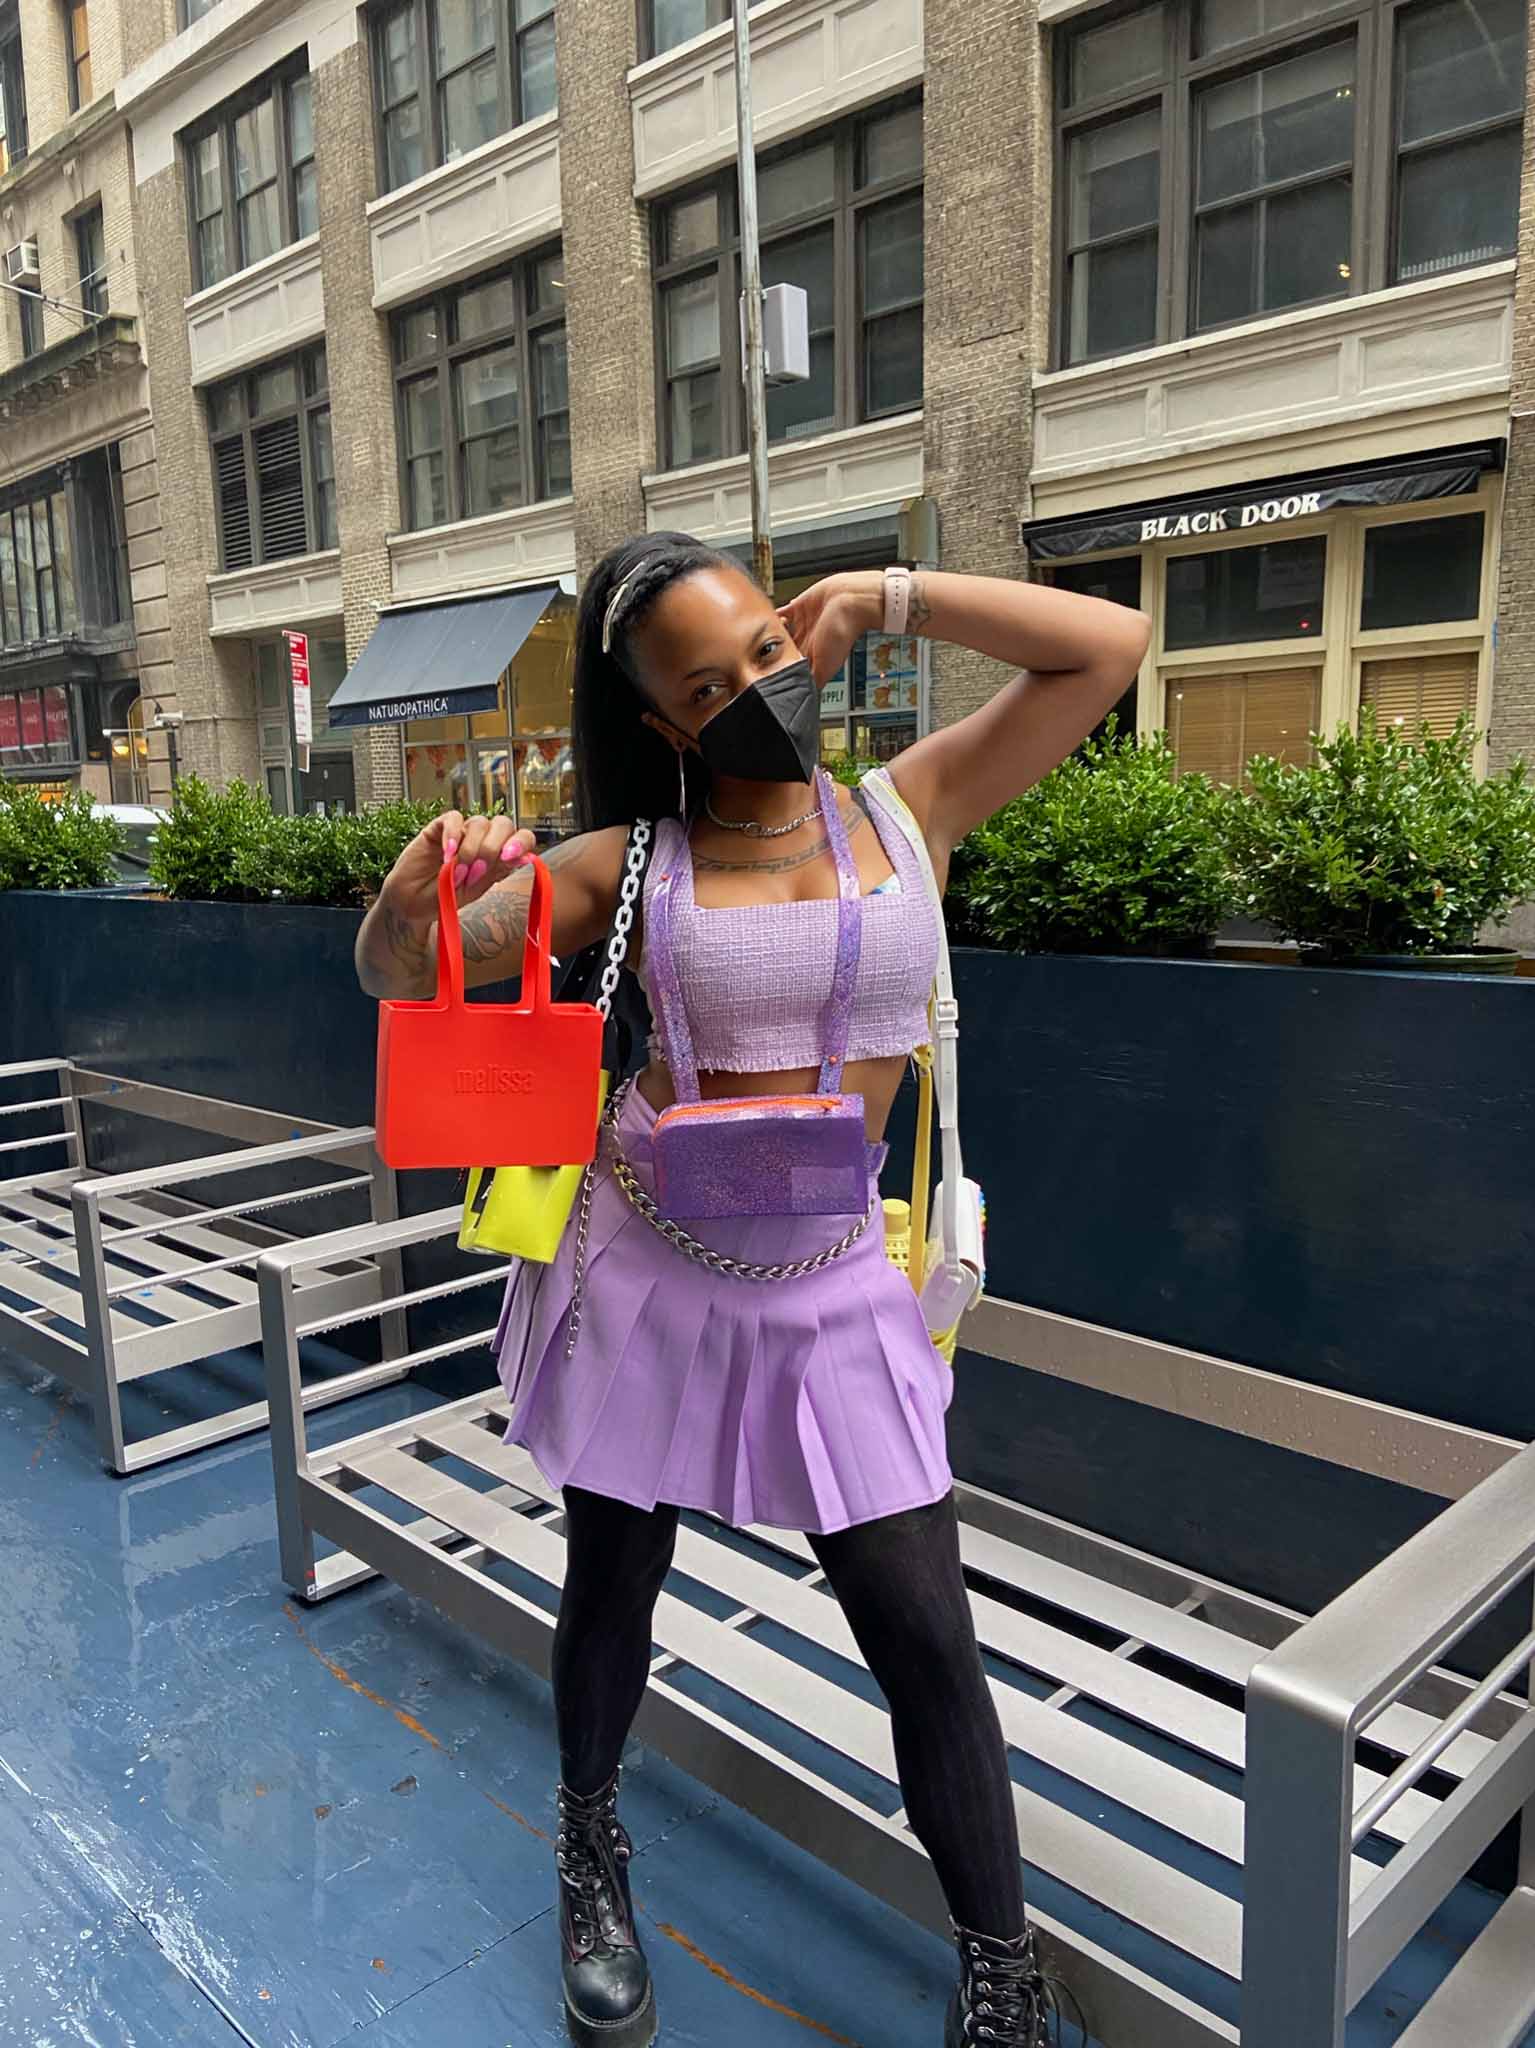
623 916
679 1239
612 969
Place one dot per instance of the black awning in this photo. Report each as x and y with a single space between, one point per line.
1262 507
438 660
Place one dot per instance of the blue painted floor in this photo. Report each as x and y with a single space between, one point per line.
223 1819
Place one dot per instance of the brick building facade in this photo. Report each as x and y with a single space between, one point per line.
1152 300
84 649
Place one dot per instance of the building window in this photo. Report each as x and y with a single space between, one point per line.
273 473
841 215
666 23
1460 97
30 307
1236 596
77 49
13 90
251 177
482 395
194 10
37 578
91 252
1422 572
451 74
1329 150
37 729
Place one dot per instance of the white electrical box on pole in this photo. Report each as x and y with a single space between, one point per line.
751 285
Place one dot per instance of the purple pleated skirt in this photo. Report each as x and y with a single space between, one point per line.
807 1404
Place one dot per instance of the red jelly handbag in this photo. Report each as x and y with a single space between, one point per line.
489 1084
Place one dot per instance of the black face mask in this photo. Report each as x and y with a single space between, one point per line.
769 733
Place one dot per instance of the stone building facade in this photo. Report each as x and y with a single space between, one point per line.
1217 318
85 654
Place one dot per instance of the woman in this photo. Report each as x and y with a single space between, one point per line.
649 1381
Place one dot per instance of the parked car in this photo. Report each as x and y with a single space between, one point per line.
140 822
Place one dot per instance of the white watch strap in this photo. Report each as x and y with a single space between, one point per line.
897 601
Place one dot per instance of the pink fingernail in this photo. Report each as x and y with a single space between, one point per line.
449 848
512 854
459 873
480 868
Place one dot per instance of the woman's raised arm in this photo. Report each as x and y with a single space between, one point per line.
1076 656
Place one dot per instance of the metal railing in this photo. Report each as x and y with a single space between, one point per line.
109 1278
1310 1951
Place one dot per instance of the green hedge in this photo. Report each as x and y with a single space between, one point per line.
59 845
232 847
1383 843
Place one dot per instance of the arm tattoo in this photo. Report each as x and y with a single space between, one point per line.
919 612
495 926
405 943
785 863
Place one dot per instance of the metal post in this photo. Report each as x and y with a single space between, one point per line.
289 1434
751 284
100 1346
384 1207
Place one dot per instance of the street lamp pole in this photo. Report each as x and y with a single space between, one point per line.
751 283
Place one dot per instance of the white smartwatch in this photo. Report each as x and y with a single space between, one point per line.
897 601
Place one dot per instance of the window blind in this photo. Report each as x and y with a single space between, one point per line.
280 486
1432 688
234 503
1217 723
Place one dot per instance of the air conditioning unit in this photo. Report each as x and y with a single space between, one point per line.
21 266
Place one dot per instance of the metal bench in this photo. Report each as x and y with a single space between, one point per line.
106 1278
1177 1743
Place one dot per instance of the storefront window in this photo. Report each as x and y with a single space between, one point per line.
1420 572
517 757
1431 689
1238 595
871 708
1217 723
36 729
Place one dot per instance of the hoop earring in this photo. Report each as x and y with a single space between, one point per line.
682 785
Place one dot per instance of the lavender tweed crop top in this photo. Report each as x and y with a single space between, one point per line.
755 979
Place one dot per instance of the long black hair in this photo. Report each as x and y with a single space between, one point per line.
624 768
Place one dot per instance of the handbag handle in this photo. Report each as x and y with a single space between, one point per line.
537 950
945 1012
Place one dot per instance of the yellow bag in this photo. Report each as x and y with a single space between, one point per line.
520 1212
904 1247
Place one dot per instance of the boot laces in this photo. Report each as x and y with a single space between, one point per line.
1013 2003
590 1853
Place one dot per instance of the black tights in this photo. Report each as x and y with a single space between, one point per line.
901 1588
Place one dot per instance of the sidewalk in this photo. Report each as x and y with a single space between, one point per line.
226 1820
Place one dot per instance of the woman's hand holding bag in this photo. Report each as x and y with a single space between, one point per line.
508 1084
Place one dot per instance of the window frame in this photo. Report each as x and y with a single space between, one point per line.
507 51
307 409
275 85
34 340
77 63
13 87
845 214
1374 29
720 11
531 322
95 283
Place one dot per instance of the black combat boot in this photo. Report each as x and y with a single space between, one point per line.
609 2002
1001 1997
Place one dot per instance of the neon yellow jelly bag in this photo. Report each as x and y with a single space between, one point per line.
520 1212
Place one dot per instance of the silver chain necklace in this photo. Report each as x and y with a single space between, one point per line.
752 829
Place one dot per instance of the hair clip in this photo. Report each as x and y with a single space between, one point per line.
614 602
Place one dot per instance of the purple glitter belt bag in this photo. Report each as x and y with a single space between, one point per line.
762 1155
